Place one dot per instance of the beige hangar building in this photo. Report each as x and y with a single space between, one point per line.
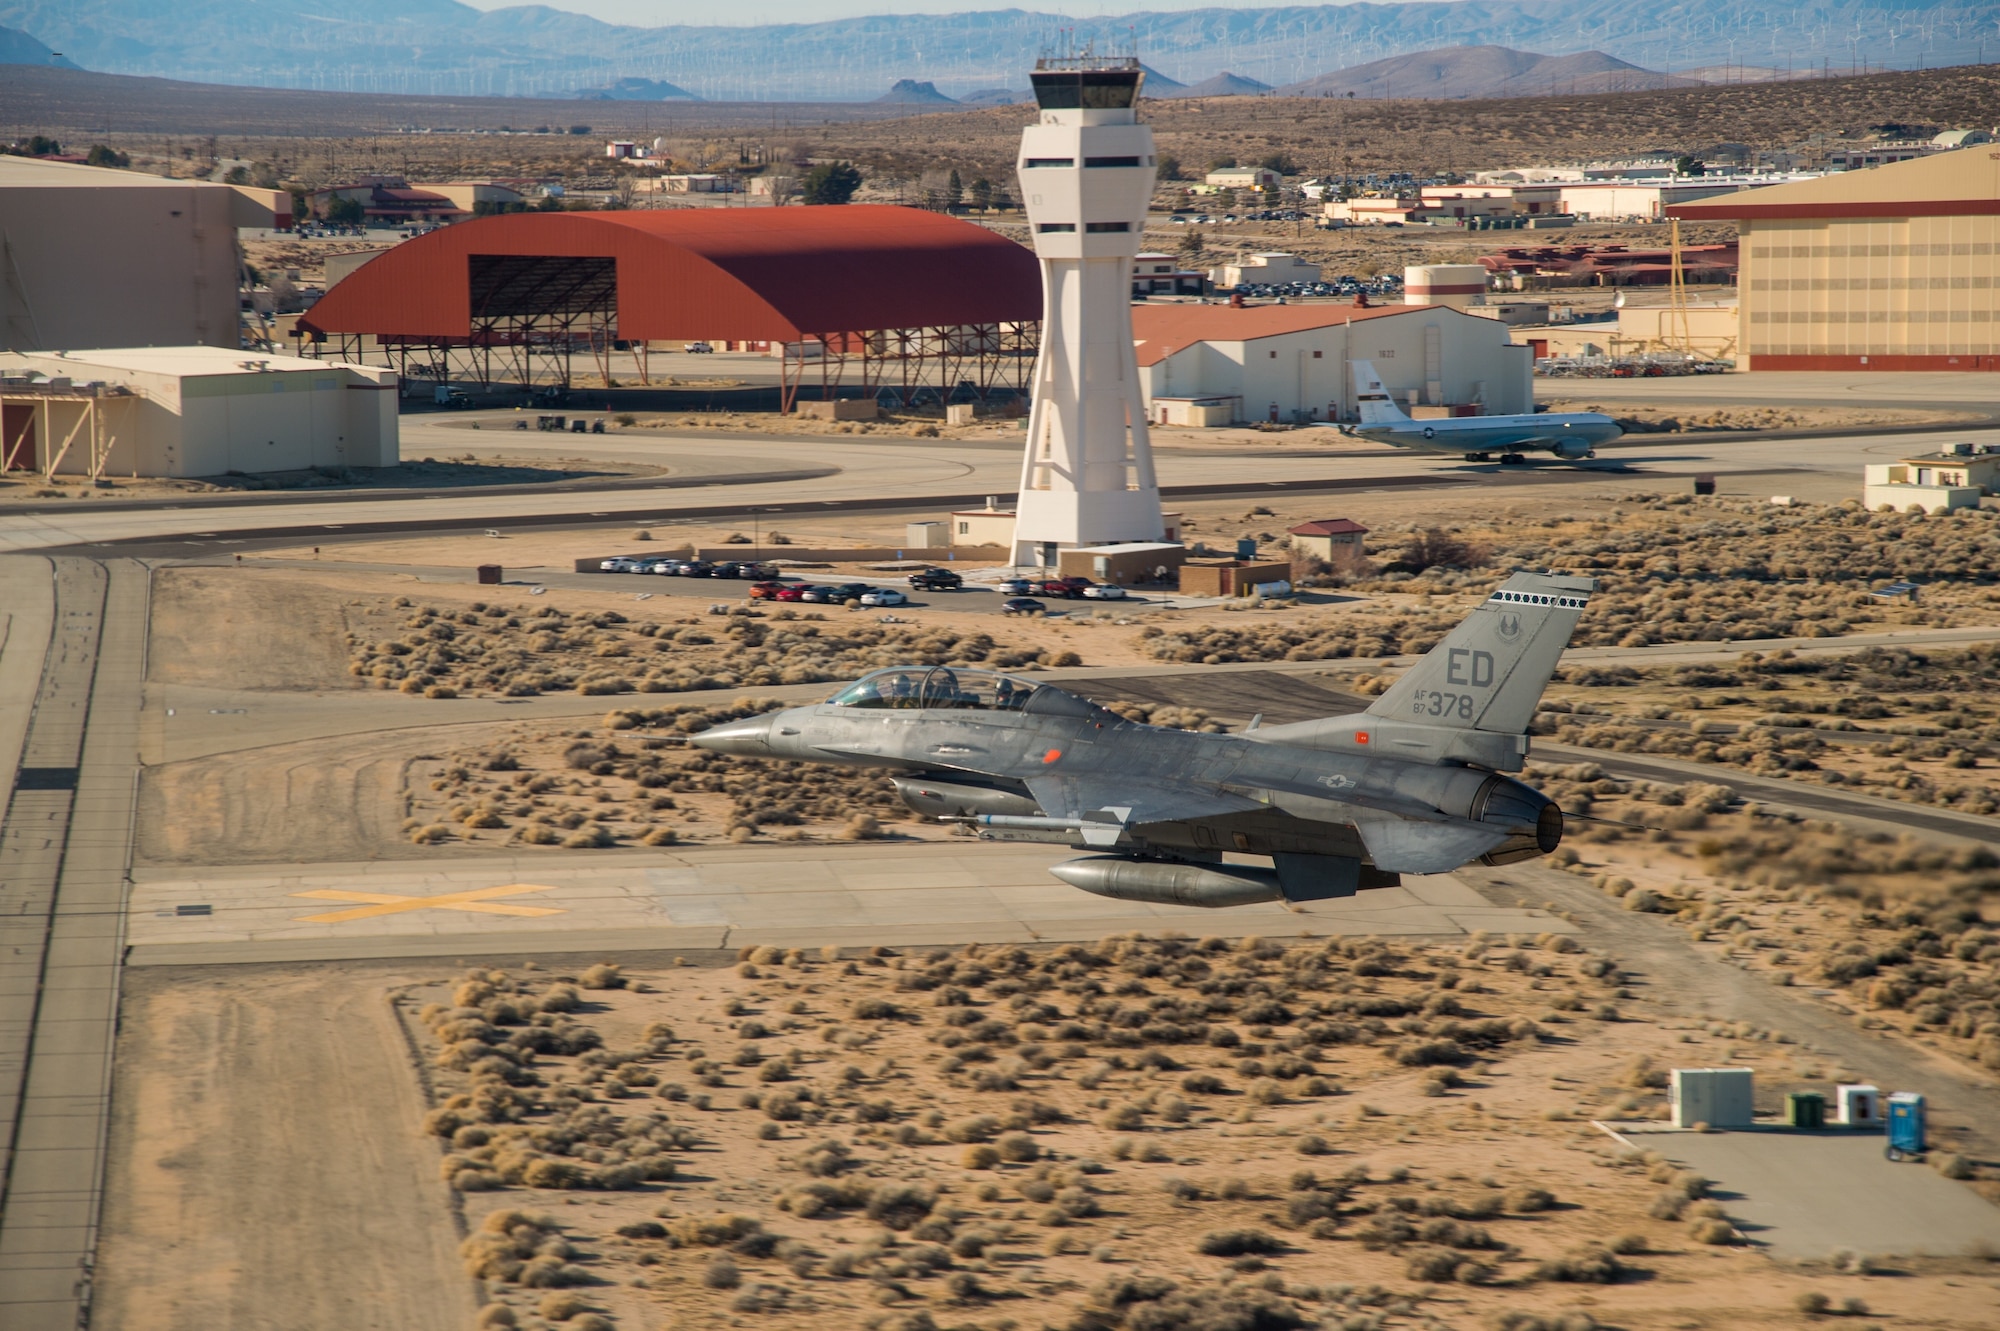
1887 268
1217 364
191 411
96 257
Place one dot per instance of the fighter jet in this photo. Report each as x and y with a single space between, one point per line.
1570 435
1414 784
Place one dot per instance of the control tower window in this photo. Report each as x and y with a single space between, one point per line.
1086 89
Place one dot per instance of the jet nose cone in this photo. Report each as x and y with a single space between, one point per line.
750 739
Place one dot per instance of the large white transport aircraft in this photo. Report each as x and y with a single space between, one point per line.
1571 436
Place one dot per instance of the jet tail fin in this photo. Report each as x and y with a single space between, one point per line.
1377 407
1489 673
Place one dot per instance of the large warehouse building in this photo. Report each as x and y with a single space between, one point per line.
1213 364
883 296
190 411
95 257
1889 268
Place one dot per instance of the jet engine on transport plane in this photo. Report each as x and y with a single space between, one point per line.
1572 450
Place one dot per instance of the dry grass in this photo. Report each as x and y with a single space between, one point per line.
487 649
1889 929
979 1132
1670 569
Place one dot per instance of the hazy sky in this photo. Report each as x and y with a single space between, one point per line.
660 13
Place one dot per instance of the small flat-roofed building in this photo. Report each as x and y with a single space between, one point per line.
191 411
991 525
1243 177
1161 275
1959 476
1326 537
1127 565
1274 266
1235 577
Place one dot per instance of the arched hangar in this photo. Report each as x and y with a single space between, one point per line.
900 293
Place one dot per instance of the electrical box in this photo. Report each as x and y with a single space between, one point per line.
1805 1110
1857 1106
1719 1097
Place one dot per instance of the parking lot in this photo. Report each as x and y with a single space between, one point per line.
836 590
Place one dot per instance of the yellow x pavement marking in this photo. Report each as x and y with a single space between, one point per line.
478 901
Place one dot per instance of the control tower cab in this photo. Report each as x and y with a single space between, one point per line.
1086 172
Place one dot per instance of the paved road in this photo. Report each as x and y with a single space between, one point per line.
909 894
1805 1196
880 474
67 843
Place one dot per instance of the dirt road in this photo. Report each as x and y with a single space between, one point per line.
267 1165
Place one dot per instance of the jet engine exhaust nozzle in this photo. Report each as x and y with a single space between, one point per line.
1170 883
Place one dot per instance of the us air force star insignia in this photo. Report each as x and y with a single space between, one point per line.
1510 626
1336 781
1430 433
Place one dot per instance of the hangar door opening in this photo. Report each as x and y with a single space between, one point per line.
539 311
18 451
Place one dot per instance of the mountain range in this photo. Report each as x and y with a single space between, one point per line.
1485 71
445 47
18 48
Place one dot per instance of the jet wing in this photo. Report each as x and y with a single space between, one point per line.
1132 803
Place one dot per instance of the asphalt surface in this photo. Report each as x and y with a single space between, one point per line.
67 840
1806 1196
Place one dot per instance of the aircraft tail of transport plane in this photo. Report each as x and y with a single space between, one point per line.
1570 436
1415 784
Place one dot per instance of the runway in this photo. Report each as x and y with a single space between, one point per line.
914 894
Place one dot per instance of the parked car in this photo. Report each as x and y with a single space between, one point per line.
884 596
665 567
765 591
1012 587
728 569
794 591
936 580
1068 589
1022 605
1104 591
619 564
696 568
699 348
837 593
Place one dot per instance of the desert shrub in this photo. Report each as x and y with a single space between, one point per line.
981 1156
1813 1303
604 975
1239 1243
1712 1231
1584 1266
900 1205
1017 1147
562 1307
1527 1201
1951 1165
977 1128
721 1273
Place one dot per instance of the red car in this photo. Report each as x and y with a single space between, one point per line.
766 591
1068 589
790 592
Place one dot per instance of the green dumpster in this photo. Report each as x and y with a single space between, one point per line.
1805 1109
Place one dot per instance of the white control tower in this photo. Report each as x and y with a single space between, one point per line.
1086 174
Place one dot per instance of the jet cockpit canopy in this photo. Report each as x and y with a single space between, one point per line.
950 688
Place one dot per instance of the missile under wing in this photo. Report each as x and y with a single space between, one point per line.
1415 784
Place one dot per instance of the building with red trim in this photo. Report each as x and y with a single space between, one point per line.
873 290
1890 268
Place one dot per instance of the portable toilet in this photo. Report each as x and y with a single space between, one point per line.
1719 1097
1805 1110
1857 1106
1906 1125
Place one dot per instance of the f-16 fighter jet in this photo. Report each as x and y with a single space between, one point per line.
1412 785
1570 435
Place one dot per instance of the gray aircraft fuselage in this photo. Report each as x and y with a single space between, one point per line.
1568 435
1277 798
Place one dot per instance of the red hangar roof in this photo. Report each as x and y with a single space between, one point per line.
777 274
